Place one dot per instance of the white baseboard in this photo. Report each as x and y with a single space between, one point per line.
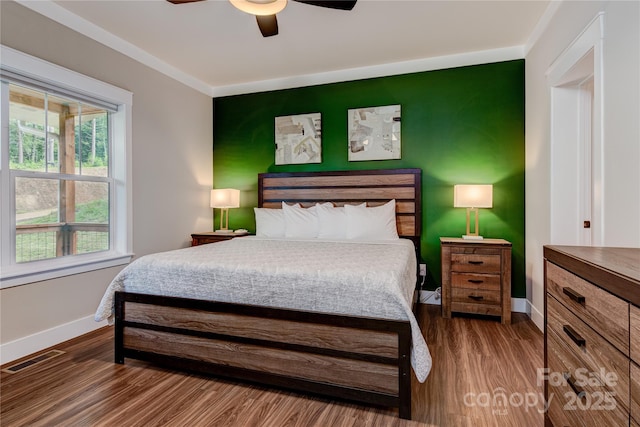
520 305
44 339
536 316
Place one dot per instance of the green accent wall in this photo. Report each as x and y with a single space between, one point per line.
459 126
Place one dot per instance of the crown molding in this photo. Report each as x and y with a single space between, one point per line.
542 25
383 70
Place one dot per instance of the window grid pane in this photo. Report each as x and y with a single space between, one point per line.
27 121
92 241
39 208
35 246
56 217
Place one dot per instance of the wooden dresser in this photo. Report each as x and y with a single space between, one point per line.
592 336
476 277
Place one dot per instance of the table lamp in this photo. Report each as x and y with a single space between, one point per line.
225 198
472 197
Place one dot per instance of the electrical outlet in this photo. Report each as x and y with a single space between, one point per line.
423 270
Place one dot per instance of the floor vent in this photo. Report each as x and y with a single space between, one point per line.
14 369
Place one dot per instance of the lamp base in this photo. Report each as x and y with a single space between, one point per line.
472 237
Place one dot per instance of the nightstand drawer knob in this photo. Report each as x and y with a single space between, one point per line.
475 280
573 295
575 337
476 262
476 297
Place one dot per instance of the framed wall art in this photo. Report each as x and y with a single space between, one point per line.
299 139
374 133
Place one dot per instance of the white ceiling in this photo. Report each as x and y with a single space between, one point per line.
220 46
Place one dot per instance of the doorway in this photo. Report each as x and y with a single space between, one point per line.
575 81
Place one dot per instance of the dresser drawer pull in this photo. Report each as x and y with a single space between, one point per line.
574 295
475 280
572 383
476 297
476 262
575 337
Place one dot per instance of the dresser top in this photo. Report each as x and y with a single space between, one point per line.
616 270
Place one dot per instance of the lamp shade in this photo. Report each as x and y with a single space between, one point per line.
225 198
473 196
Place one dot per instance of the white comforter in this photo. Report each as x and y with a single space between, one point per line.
374 279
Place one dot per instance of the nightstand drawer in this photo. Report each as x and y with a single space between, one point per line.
476 308
578 342
477 296
212 239
606 313
475 281
476 262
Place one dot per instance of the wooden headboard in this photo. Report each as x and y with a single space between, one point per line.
375 187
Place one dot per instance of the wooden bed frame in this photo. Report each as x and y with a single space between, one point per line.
355 358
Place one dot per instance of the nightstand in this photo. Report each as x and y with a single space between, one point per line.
212 237
476 277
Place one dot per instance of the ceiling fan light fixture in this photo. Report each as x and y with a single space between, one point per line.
260 7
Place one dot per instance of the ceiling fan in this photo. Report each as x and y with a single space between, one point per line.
265 10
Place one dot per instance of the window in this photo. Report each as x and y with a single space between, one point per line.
65 205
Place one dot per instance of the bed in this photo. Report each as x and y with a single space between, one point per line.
335 340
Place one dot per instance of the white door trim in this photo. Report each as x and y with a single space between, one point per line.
577 139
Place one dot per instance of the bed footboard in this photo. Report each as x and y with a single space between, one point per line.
361 359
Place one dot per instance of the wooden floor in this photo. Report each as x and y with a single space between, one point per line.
484 374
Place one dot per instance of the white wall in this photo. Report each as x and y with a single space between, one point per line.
172 160
621 137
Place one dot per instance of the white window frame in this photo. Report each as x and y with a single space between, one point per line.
121 241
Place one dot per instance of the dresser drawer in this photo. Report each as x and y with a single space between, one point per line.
635 391
597 407
604 312
634 319
479 261
581 347
559 411
475 281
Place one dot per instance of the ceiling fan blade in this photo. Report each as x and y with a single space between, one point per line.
268 25
331 4
182 1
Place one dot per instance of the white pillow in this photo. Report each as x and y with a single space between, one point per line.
269 222
374 223
300 222
332 221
